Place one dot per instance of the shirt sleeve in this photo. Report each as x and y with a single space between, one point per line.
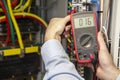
118 78
57 64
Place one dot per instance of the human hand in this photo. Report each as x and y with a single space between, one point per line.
56 28
106 69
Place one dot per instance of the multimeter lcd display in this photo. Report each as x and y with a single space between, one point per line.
83 22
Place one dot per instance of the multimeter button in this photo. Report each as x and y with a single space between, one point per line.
92 57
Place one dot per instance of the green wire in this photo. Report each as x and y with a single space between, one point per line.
23 2
11 25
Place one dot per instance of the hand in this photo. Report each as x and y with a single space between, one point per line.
106 69
56 28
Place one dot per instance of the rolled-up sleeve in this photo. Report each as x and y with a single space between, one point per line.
57 64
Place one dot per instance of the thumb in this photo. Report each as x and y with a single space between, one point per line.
101 42
104 56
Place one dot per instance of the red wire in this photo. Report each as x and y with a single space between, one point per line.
7 22
17 17
30 17
94 76
14 3
0 2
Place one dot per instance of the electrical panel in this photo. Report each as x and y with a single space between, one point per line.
20 25
56 8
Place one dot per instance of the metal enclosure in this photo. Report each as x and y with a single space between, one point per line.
56 8
115 32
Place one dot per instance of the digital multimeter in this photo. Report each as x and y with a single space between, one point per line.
84 31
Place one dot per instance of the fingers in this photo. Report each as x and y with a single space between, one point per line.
67 31
56 28
66 19
68 27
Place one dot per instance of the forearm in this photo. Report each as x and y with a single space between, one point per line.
57 63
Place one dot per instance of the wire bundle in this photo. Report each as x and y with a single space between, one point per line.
12 11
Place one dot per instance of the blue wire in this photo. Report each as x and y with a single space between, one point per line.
94 1
69 0
96 8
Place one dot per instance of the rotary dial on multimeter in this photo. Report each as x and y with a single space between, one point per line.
86 41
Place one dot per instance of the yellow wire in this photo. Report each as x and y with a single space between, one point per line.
29 6
70 4
68 39
29 9
28 14
32 15
32 78
30 36
22 8
18 5
15 25
1 10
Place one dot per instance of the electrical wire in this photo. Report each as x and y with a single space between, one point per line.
68 39
29 6
32 16
15 25
32 78
30 36
20 3
70 4
9 24
69 7
22 8
28 15
14 3
105 20
101 15
107 15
